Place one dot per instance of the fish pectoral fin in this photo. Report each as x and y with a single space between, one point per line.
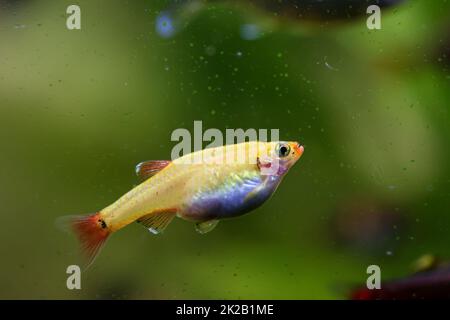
206 226
157 221
259 187
253 193
146 169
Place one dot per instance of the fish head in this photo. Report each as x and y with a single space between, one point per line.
276 158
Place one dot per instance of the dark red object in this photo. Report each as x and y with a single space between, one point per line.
433 284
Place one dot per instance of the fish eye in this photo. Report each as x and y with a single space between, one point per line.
283 150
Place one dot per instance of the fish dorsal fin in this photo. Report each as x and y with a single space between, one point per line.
157 221
149 168
206 226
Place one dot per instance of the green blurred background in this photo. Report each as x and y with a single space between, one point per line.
79 109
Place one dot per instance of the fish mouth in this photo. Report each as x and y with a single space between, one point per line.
299 149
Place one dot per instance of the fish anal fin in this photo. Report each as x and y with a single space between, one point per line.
157 221
206 226
149 168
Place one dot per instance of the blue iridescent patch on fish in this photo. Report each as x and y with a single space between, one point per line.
232 199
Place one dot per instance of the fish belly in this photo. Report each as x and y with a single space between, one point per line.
233 197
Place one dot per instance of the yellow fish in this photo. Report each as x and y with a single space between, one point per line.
203 187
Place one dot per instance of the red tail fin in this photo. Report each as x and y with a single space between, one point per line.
91 231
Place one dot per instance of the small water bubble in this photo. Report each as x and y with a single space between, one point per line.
210 50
